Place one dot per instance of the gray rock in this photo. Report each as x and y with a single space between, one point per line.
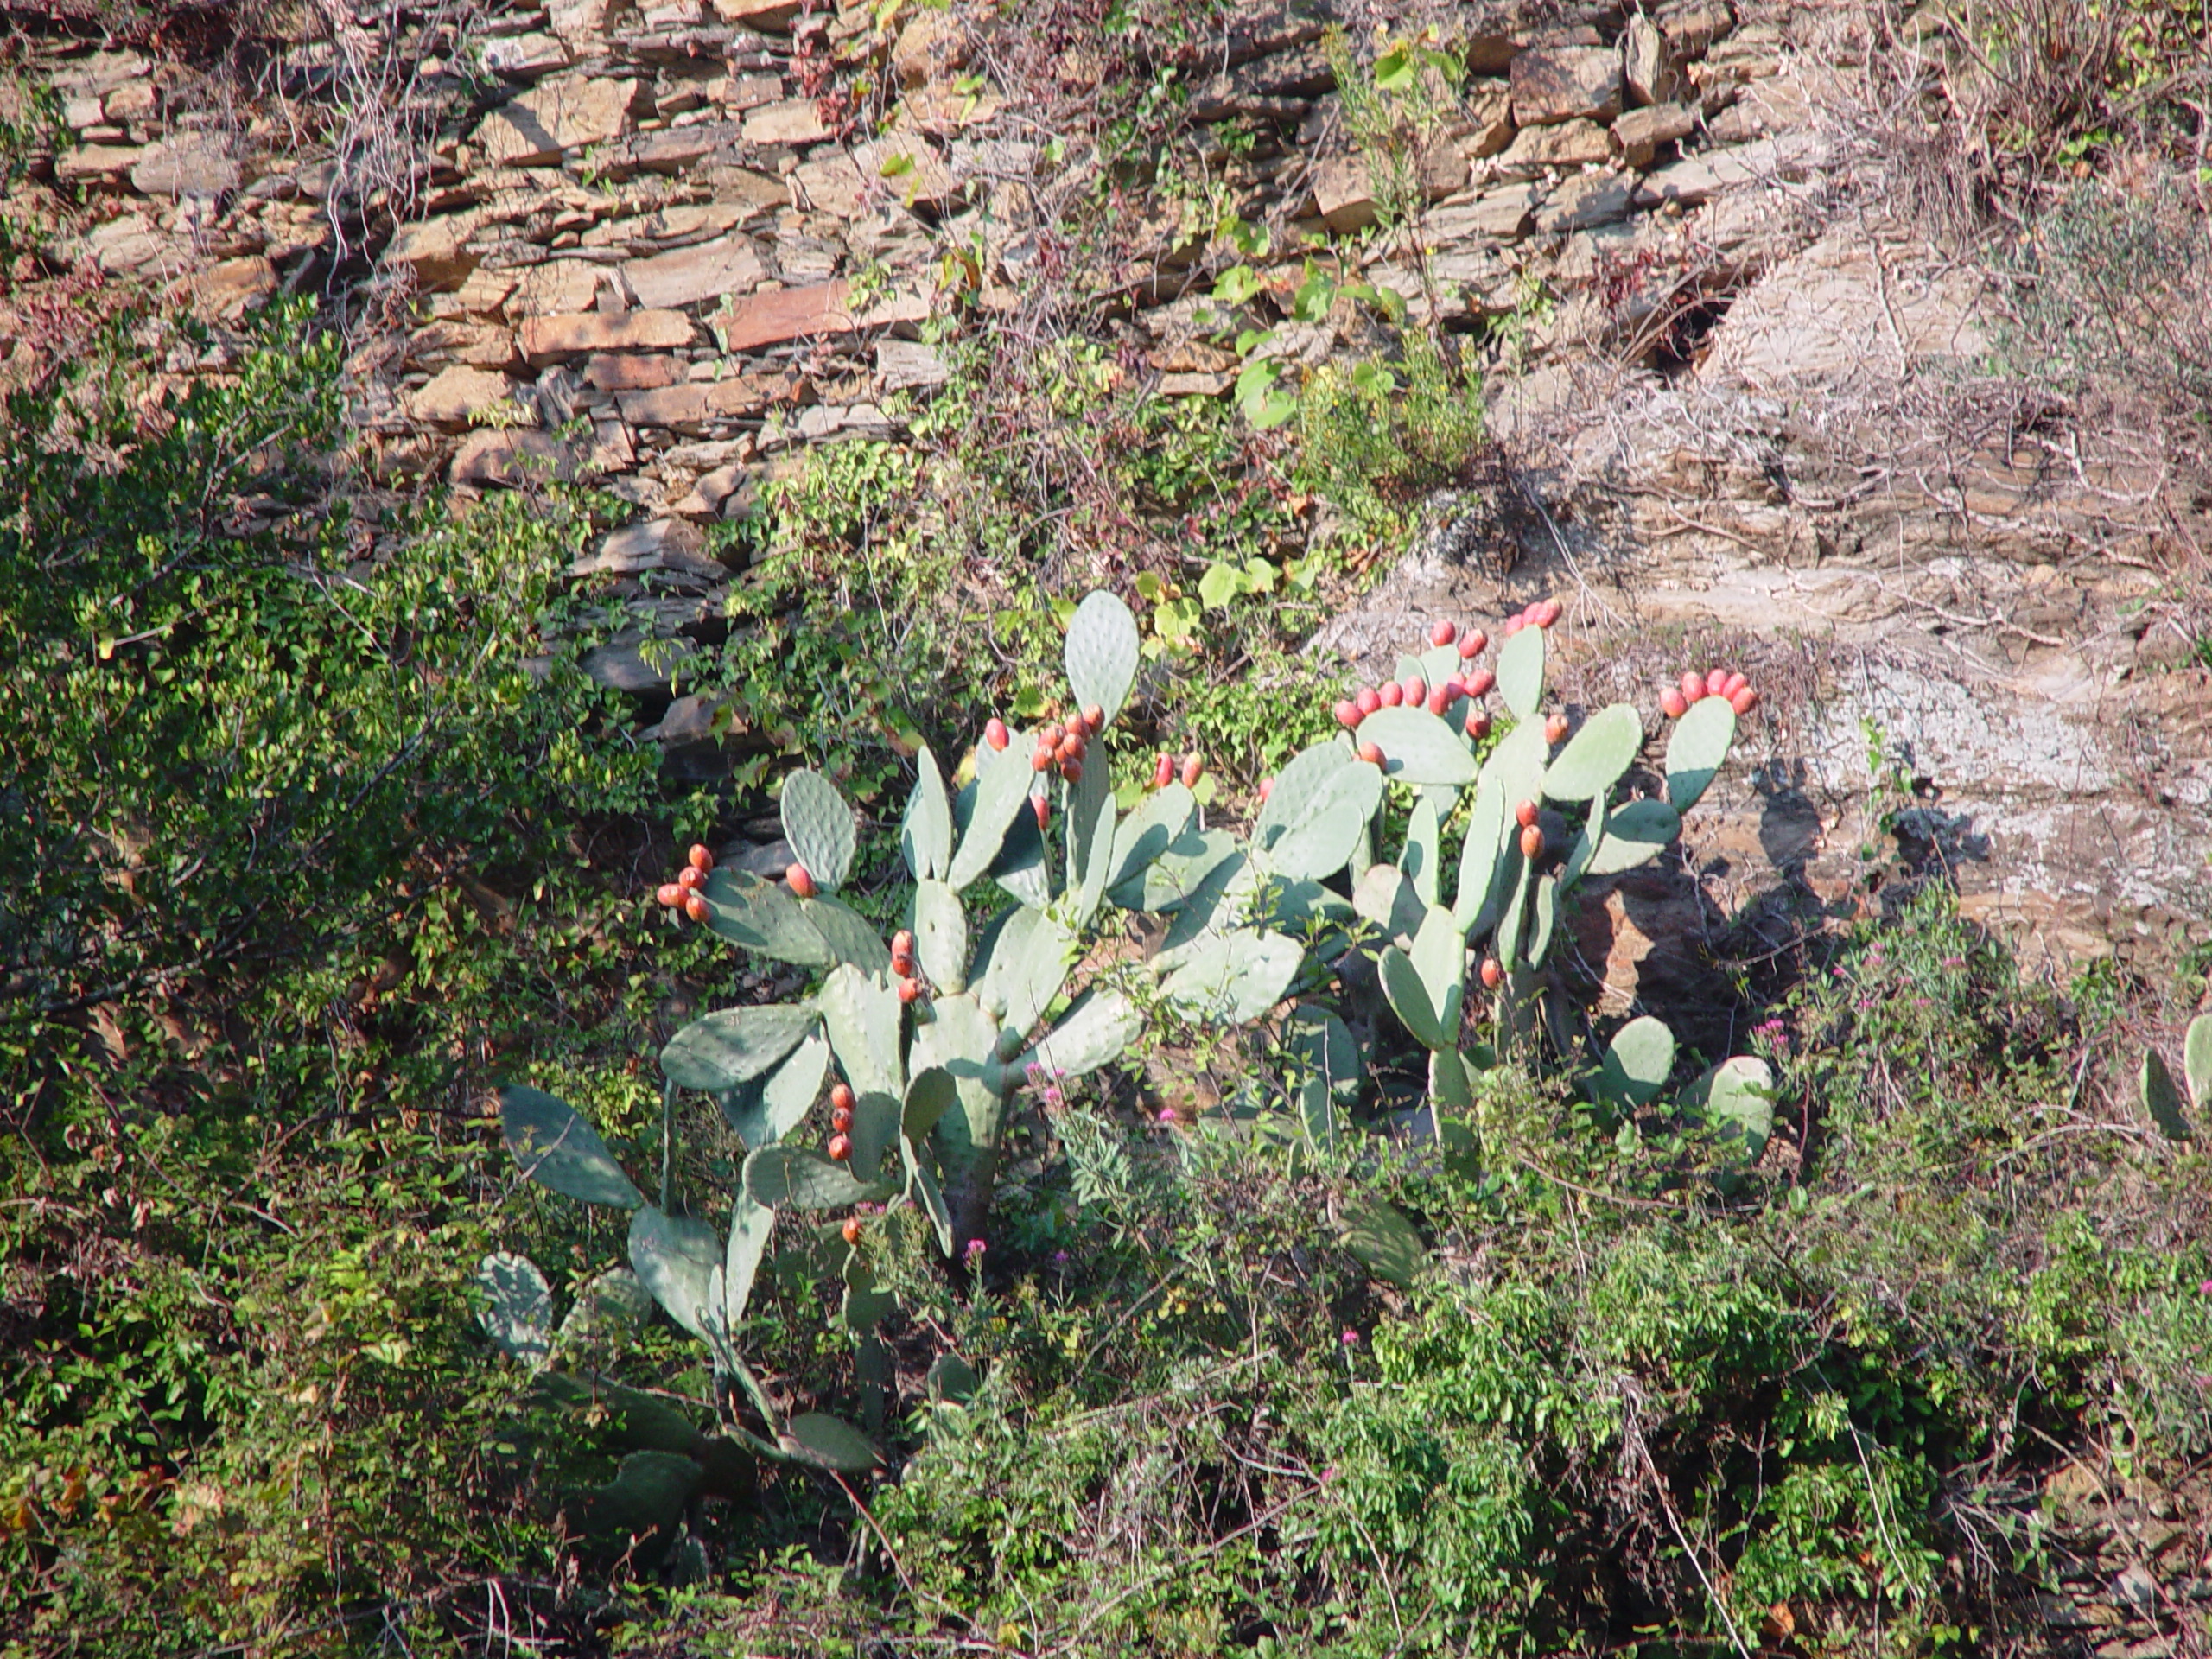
1560 83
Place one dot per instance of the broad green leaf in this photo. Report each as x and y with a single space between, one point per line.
828 1442
1736 1098
556 1147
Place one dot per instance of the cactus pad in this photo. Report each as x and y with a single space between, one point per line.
556 1147
766 1110
1236 977
1169 881
1737 1099
930 1096
751 1226
1439 956
1484 873
1520 672
819 823
1000 791
805 1180
1150 828
1637 1062
1635 834
1093 1032
925 834
1382 1240
1695 752
1312 820
2161 1097
1424 851
723 1050
1089 820
940 935
860 1012
1330 1072
764 916
517 1312
1029 962
876 1129
2196 1060
1102 652
1410 1001
828 1442
677 1259
1418 747
1596 756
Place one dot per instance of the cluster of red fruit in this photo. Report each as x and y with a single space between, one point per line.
1057 745
684 893
902 965
1540 614
1414 692
1715 683
841 1123
1164 771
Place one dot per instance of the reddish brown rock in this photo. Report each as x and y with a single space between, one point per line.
549 340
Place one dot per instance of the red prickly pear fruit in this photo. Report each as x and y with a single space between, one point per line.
1416 691
1555 729
1367 700
1693 685
841 1148
851 1229
1443 633
695 906
1069 748
1478 683
1532 844
1043 809
1371 753
902 943
1493 972
1525 814
1440 699
1734 683
670 894
1163 772
1714 679
1671 702
1049 737
1546 612
1745 699
1042 759
1479 724
1513 625
1348 714
801 881
1266 788
1194 768
841 1098
1472 643
840 1122
909 988
700 859
689 880
1391 693
1071 770
1095 717
995 734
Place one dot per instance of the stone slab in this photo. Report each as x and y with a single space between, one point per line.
1561 83
688 276
549 340
555 116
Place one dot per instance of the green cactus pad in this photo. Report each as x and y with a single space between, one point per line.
862 1310
1520 672
1384 897
1328 1072
1696 750
1449 1084
850 937
1635 835
1308 910
819 823
1101 653
2161 1098
926 833
518 1311
1736 1098
765 1110
1151 827
1312 821
1001 792
876 1128
2196 1060
1410 1001
1029 962
646 1498
1417 748
1596 756
676 1257
930 1096
962 1038
1480 894
1514 918
1423 851
751 1226
828 1442
805 1180
1021 868
556 1147
940 935
764 916
922 1188
1236 977
1384 1241
1087 821
952 1381
1587 840
1543 917
1218 904
1092 1032
1637 1062
1177 873
1440 954
732 1047
860 1012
